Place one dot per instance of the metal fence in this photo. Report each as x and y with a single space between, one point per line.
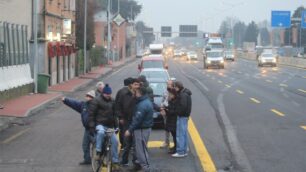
14 46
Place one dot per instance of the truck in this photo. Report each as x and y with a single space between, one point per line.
156 48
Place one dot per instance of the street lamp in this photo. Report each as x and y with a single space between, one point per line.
85 34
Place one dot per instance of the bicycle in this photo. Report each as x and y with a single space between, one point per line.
105 159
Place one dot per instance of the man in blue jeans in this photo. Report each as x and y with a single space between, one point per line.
101 117
183 112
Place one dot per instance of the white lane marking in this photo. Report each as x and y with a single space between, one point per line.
202 85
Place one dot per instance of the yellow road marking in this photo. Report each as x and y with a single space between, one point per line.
228 86
269 81
157 144
304 127
15 136
283 85
205 159
239 91
220 82
304 77
277 112
255 100
302 90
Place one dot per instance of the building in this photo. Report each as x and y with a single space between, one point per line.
57 39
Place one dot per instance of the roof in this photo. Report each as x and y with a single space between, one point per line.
150 58
215 40
154 69
156 46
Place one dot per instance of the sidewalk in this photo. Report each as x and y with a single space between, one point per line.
24 106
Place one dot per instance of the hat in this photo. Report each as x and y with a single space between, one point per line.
100 83
135 80
179 85
91 94
142 78
107 89
128 81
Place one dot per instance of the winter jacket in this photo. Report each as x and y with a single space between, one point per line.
125 104
143 117
79 106
185 103
101 112
171 115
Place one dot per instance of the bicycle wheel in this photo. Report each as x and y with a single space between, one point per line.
109 159
94 163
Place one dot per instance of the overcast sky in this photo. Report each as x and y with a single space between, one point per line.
209 14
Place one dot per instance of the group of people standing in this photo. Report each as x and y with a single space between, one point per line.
132 112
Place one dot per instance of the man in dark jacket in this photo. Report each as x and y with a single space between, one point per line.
125 107
141 125
145 83
82 108
183 112
122 104
102 117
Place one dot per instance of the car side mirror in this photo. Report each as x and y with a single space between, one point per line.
139 67
166 67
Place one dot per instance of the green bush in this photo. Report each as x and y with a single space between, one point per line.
97 56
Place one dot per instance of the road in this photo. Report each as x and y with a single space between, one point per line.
244 119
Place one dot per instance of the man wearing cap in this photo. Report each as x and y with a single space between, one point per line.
122 106
125 107
102 117
82 108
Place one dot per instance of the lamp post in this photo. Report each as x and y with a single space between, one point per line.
85 35
108 30
118 32
35 28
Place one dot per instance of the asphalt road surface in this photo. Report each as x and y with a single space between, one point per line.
244 118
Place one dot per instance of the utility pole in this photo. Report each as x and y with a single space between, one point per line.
35 28
118 32
108 30
85 35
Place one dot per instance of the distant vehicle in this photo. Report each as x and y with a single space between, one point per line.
139 54
155 73
152 61
229 55
192 55
156 48
214 58
267 59
214 43
177 53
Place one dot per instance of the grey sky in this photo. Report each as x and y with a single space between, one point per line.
210 13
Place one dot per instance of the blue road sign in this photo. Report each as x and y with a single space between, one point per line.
281 19
303 21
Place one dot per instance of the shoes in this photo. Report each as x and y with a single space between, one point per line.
172 150
1 106
136 167
124 164
85 163
115 167
98 156
164 145
177 155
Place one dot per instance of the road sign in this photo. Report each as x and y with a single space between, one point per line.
166 31
118 20
148 30
188 30
303 21
281 19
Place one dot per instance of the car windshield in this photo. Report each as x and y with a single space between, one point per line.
212 46
159 88
267 55
156 74
214 54
153 64
192 53
229 53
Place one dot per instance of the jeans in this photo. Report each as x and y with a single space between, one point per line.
141 137
100 140
86 146
181 135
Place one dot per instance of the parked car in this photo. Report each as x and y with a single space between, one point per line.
214 58
267 59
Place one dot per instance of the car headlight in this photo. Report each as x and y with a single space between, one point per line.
222 61
208 61
274 60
